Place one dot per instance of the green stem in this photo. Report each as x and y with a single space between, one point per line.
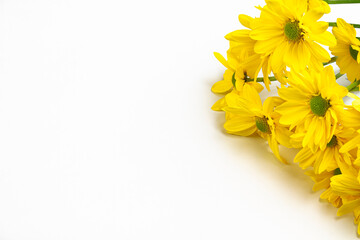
333 24
353 85
341 1
332 60
339 75
261 79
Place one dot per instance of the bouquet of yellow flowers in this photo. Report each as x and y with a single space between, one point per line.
286 44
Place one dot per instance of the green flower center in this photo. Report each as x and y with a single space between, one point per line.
333 142
262 124
337 171
353 53
319 105
293 31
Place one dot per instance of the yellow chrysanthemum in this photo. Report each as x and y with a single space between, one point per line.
330 158
313 103
351 119
322 181
346 50
250 116
235 77
347 185
242 37
238 69
253 61
291 33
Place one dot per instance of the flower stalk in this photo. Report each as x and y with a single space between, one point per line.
261 79
332 60
339 75
341 1
333 24
353 85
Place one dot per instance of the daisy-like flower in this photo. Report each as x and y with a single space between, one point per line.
235 77
351 146
346 50
290 31
347 185
250 116
313 103
237 67
322 181
253 61
330 158
351 119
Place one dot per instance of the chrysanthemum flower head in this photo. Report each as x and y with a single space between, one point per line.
313 103
235 77
347 185
351 119
243 43
289 31
238 67
351 116
322 181
250 116
330 158
347 49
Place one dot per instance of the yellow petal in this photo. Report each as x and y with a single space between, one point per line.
292 113
319 27
267 46
239 36
257 86
348 207
325 38
292 94
318 52
277 60
222 86
219 105
283 136
222 60
275 148
305 157
245 20
311 16
241 124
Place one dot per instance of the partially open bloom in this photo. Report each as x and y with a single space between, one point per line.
290 31
347 185
346 50
330 158
253 61
250 116
239 68
313 103
235 77
351 119
322 181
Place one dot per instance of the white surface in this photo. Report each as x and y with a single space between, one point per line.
106 130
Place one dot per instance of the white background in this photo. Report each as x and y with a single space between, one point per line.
106 130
